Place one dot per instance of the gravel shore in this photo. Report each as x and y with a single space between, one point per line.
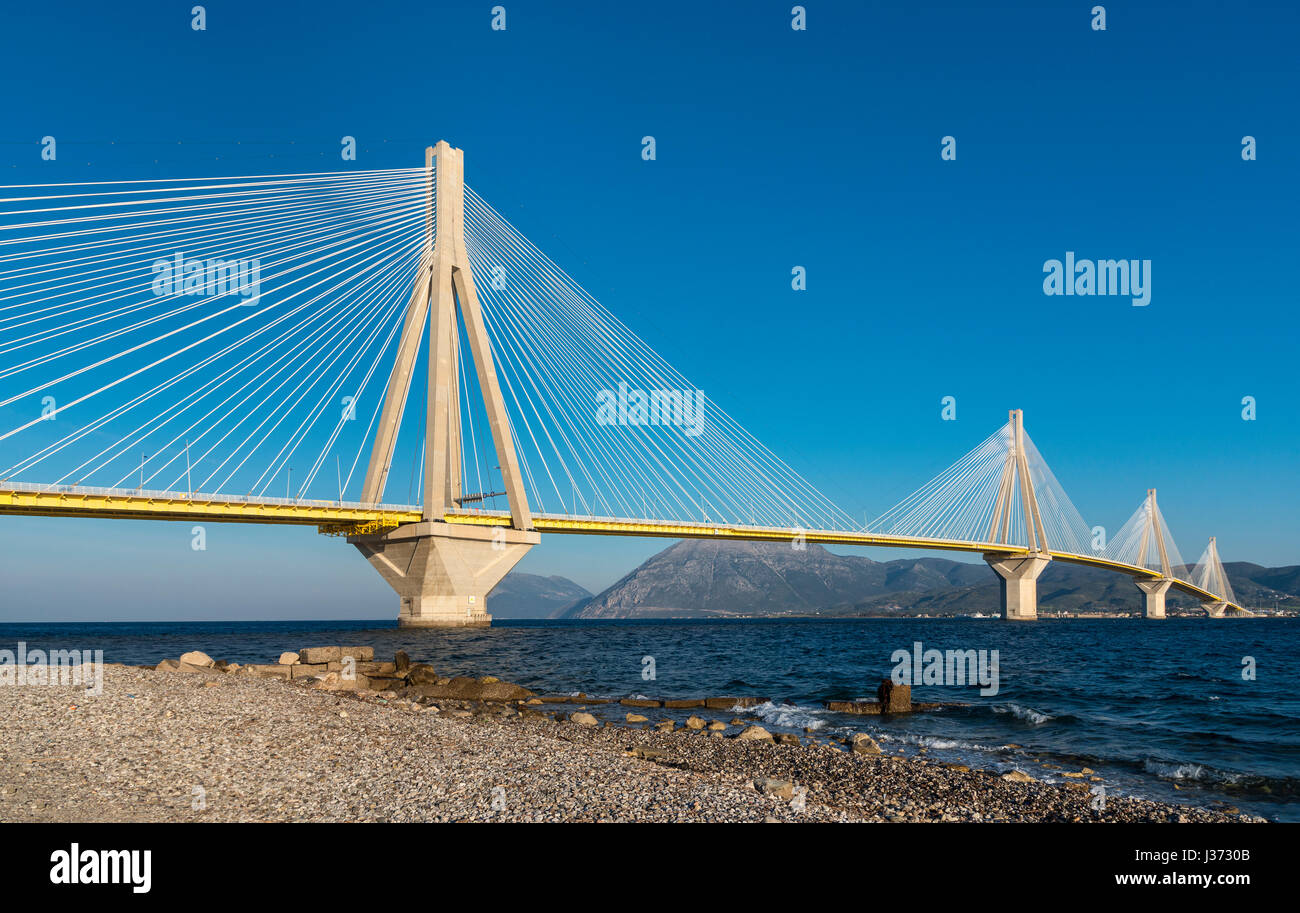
184 746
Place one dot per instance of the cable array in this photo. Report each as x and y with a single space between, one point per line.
603 425
217 335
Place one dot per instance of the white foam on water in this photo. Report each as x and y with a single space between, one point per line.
1176 771
791 716
1028 714
937 743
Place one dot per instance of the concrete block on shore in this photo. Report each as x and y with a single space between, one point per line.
684 704
288 659
320 654
359 654
640 702
894 698
858 707
268 671
370 668
303 670
464 688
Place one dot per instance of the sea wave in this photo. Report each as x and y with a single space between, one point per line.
937 743
790 716
1028 714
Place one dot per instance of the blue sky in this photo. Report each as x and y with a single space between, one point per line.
775 148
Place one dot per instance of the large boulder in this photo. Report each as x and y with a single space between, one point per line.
421 674
770 786
755 734
197 658
861 743
402 661
288 659
583 719
379 682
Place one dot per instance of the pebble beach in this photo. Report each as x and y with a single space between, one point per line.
190 744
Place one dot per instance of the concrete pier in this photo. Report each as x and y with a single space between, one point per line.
1019 578
1215 609
1154 596
444 571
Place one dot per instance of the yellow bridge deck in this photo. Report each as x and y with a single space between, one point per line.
343 518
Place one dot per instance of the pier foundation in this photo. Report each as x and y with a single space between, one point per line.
442 572
1019 577
1215 609
1153 598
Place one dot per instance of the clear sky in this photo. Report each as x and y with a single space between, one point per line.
775 148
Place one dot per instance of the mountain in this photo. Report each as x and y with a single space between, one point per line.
704 578
707 578
521 595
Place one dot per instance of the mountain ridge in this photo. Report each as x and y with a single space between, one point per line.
707 578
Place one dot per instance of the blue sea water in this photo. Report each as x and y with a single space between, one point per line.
1157 709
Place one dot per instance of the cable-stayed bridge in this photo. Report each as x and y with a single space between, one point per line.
245 349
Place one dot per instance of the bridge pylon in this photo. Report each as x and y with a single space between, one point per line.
444 571
1154 590
1211 576
1018 572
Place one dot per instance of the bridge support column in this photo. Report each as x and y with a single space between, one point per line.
1154 596
1217 609
1019 577
444 571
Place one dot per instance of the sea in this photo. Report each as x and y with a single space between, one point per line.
1197 711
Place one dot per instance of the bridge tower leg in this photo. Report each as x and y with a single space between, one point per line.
1018 573
443 571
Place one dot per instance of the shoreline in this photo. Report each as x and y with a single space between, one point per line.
198 744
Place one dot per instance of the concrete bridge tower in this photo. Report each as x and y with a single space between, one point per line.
1154 590
1018 573
443 571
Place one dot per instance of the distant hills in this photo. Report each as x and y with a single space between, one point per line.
702 578
521 595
